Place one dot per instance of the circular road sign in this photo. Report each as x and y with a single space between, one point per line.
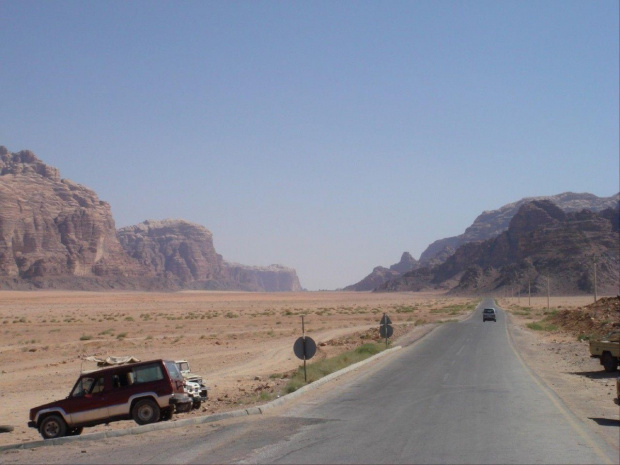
386 331
304 348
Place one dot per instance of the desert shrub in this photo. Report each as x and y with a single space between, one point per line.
370 349
318 370
542 326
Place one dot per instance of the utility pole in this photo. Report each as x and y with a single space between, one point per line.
529 292
595 260
547 293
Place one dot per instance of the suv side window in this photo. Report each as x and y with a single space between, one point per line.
148 373
120 380
88 385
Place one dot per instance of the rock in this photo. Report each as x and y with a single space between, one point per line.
542 240
490 224
54 232
183 252
174 249
380 274
273 278
406 263
375 279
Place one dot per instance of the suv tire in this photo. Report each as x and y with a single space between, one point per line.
145 411
166 414
52 427
609 362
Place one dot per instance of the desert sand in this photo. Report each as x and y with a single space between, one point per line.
240 342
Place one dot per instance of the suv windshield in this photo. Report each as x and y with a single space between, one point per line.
173 371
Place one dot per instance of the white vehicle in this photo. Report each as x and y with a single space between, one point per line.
193 384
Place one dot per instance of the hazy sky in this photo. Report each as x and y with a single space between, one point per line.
328 136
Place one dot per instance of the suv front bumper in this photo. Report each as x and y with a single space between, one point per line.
180 399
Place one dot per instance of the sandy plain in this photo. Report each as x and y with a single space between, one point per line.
240 342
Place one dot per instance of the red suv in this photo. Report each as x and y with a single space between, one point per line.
145 391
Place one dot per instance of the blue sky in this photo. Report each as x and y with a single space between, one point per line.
328 136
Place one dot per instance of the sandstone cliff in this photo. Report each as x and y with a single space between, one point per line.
492 223
487 225
273 278
174 249
542 240
381 274
54 231
183 253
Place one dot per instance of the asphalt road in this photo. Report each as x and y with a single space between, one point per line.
460 395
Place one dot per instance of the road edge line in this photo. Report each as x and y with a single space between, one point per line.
555 399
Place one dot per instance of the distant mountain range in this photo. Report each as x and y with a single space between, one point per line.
492 223
55 233
542 241
451 263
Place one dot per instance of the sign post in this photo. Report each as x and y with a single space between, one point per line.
304 348
385 328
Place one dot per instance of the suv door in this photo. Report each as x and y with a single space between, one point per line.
120 392
88 400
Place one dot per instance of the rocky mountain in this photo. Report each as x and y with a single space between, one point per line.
183 252
55 233
487 225
542 240
492 223
381 274
174 249
273 278
406 263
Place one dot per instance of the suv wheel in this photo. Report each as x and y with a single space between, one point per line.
53 427
166 414
609 362
145 411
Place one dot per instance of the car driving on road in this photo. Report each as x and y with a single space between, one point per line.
488 314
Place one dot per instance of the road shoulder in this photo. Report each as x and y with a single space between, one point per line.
564 365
